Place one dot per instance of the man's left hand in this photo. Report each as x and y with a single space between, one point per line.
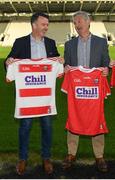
61 60
105 71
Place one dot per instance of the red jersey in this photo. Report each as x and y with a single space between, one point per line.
112 82
86 90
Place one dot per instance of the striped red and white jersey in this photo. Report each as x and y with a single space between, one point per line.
35 82
112 81
86 90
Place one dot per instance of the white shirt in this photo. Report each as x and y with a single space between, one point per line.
38 49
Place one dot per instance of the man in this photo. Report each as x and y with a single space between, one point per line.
89 51
34 46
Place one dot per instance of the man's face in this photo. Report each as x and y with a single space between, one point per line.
40 26
81 25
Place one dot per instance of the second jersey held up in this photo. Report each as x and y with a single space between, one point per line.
86 90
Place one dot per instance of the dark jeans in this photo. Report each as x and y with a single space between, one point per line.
24 132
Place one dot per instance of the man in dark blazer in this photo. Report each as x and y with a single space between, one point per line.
34 46
22 49
99 56
89 51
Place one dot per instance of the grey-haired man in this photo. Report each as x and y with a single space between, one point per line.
90 51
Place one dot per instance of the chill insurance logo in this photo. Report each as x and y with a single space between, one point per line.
85 92
35 80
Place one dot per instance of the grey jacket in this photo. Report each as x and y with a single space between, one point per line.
99 56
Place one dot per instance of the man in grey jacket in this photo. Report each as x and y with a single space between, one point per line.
90 51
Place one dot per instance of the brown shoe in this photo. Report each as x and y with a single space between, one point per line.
48 166
68 161
101 165
21 166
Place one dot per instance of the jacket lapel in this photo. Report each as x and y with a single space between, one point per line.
28 48
75 47
46 46
92 50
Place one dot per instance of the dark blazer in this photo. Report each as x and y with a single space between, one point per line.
99 56
22 49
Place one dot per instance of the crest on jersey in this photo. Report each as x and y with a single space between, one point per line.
45 68
96 80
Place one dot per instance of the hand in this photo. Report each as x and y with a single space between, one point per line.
67 68
105 71
61 60
9 61
112 63
7 80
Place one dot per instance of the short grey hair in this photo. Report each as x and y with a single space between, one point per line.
84 14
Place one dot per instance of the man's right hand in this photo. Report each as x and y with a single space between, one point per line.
67 68
9 61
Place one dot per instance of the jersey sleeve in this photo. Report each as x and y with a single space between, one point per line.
60 70
65 84
112 81
106 87
10 75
